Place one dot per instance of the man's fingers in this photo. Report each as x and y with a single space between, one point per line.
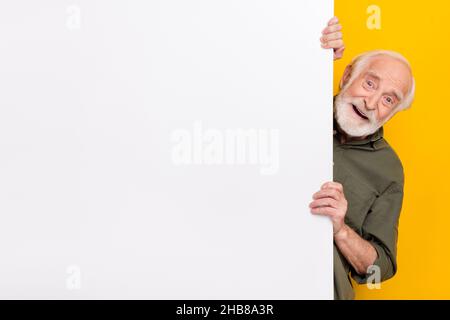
333 185
327 193
324 211
324 202
331 29
333 44
333 20
331 36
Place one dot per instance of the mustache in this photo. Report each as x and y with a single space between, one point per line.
361 105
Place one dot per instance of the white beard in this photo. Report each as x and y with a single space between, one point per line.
349 122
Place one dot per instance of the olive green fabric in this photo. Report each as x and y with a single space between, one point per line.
372 177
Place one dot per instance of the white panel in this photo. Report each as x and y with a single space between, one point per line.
121 170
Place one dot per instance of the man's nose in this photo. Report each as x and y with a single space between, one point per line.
371 102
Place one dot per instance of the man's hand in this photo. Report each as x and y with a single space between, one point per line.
330 201
332 38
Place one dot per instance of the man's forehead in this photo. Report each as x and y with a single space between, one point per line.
392 70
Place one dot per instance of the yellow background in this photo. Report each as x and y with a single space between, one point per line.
420 31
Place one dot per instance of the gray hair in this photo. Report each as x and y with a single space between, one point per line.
359 62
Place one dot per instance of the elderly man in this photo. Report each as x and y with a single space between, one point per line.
365 199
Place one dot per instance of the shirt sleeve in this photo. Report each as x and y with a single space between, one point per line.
380 228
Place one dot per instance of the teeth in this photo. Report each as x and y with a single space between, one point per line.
359 111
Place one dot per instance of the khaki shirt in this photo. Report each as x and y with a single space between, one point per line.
372 177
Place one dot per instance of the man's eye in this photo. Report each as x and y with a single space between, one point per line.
389 100
370 84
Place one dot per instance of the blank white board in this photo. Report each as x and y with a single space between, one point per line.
164 149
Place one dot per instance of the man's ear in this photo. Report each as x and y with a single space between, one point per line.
346 76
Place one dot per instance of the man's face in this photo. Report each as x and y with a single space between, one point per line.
364 105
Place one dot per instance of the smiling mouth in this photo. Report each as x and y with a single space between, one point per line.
359 113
